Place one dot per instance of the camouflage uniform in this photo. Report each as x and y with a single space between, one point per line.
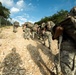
47 34
67 60
27 26
68 49
34 30
15 25
33 34
23 27
27 33
14 28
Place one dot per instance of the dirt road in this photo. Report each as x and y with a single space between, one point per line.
35 58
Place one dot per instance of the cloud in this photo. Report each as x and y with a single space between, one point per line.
20 4
23 18
31 21
21 9
29 4
27 16
8 3
14 10
30 7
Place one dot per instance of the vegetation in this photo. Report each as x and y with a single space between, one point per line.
4 15
56 18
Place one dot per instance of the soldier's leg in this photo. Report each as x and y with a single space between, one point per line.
75 66
25 35
14 29
49 37
56 62
75 69
49 41
28 36
67 62
33 34
43 37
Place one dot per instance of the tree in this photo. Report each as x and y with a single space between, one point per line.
56 18
4 11
4 14
59 16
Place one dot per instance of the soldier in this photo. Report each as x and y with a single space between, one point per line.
66 33
47 35
15 26
34 30
23 27
26 32
47 32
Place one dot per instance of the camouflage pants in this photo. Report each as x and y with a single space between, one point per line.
14 29
27 33
68 63
33 34
47 35
67 59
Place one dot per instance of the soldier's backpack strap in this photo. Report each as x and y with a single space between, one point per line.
59 47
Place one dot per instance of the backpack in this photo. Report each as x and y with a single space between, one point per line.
68 26
29 24
70 29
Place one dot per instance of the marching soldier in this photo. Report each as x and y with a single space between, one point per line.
65 60
47 32
26 32
15 26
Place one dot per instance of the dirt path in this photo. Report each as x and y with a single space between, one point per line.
36 58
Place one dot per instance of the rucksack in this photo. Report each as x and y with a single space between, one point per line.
68 26
29 24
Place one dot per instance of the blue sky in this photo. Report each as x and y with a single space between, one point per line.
34 10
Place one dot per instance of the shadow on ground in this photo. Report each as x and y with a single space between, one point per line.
36 57
11 64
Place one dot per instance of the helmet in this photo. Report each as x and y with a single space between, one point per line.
43 25
73 11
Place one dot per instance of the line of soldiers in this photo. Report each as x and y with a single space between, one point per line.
65 33
41 31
